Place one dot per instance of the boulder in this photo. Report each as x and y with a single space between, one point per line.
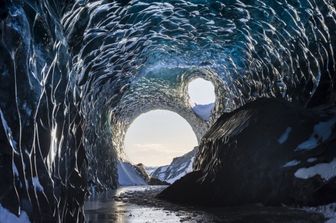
268 151
156 181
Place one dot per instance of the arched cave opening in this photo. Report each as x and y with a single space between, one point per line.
152 141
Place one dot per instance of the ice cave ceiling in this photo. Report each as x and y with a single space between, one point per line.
75 74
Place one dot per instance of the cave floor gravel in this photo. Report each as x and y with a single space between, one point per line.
137 204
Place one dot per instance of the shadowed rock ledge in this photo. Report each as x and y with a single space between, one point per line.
268 151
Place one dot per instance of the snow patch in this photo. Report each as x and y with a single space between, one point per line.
291 163
311 143
203 111
150 170
310 160
128 176
284 136
329 211
325 170
8 217
322 131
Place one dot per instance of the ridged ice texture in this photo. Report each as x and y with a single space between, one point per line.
41 154
94 66
135 56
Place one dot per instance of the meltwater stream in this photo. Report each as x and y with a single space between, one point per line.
74 74
137 204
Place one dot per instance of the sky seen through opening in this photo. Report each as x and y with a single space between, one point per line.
156 137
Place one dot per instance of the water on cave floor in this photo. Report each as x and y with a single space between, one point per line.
137 204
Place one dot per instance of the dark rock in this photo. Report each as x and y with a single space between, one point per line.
140 168
155 181
268 151
3 9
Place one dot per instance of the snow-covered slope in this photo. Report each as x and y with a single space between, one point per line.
128 175
179 167
203 111
150 170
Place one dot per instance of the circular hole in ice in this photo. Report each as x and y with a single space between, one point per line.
201 92
202 97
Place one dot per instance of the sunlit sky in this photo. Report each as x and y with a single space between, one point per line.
156 137
201 91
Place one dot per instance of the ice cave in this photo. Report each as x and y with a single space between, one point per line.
75 74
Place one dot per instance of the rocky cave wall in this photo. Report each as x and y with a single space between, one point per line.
74 75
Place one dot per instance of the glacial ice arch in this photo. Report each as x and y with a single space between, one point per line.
162 90
123 62
167 93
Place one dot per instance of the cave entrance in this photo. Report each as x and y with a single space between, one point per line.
154 139
202 97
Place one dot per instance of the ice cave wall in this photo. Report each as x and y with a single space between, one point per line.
134 56
74 74
41 156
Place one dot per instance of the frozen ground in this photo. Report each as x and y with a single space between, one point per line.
138 205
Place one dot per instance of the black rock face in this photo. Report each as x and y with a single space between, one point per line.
3 9
269 152
155 181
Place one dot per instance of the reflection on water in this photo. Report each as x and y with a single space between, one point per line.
120 212
139 205
108 207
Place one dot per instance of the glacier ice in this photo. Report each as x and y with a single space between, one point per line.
75 74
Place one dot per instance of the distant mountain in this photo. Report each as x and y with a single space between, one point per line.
203 111
150 170
179 167
135 175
